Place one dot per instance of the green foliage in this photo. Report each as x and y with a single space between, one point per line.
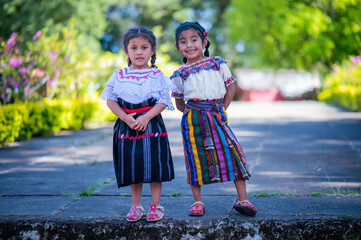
28 16
343 85
54 66
310 35
23 121
315 194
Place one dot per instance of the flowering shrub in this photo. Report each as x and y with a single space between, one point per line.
26 73
343 85
61 66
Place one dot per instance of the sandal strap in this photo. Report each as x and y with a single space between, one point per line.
136 210
197 203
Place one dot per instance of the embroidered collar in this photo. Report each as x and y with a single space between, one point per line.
138 73
205 64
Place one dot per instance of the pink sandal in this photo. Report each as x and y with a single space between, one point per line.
155 213
197 209
135 214
245 207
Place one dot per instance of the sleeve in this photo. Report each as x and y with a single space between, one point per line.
108 91
178 90
226 74
164 94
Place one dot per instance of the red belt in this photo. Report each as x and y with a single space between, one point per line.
137 110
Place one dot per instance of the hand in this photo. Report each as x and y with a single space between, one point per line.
141 123
130 121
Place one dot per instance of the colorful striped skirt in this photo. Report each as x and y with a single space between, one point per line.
212 152
141 157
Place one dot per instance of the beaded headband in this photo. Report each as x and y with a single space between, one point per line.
195 25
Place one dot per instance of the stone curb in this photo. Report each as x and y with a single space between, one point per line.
168 228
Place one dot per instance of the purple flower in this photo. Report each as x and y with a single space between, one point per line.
66 58
30 67
29 53
16 90
358 58
53 56
39 73
52 83
353 59
57 73
22 71
13 35
16 51
10 43
26 81
15 63
37 34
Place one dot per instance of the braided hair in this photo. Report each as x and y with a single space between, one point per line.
144 33
200 30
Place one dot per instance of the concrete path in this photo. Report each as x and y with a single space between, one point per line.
295 151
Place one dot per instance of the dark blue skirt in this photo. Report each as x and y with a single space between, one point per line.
141 157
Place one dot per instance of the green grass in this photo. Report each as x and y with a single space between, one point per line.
315 194
337 191
105 181
89 192
175 194
125 195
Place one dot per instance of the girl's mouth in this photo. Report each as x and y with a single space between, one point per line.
190 51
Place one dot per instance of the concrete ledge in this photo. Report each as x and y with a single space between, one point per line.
116 228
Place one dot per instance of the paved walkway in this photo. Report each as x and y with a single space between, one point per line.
293 149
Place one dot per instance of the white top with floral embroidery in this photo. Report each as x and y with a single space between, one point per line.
205 79
138 85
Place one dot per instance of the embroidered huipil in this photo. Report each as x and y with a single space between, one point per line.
205 79
138 85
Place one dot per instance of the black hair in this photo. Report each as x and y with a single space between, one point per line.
143 33
200 30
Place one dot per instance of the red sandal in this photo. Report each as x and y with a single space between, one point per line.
135 214
155 213
197 209
245 207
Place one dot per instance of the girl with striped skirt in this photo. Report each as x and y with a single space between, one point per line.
137 95
203 91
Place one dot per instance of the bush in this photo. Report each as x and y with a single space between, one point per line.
23 121
343 86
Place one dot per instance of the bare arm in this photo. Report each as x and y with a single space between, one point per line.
142 121
180 104
116 109
231 89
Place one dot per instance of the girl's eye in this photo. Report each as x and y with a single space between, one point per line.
145 48
183 42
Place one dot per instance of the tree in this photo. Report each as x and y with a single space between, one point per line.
296 33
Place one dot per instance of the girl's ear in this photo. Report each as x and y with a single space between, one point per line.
205 42
126 51
176 45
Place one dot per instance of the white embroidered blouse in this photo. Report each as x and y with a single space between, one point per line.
205 79
138 85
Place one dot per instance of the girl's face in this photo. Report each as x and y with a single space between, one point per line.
139 50
190 45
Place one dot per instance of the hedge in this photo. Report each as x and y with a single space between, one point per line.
23 121
345 96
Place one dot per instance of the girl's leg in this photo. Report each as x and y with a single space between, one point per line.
196 190
241 189
136 190
156 190
242 204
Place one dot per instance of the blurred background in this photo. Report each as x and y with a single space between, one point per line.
59 53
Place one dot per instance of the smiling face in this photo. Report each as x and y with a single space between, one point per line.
139 50
190 45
